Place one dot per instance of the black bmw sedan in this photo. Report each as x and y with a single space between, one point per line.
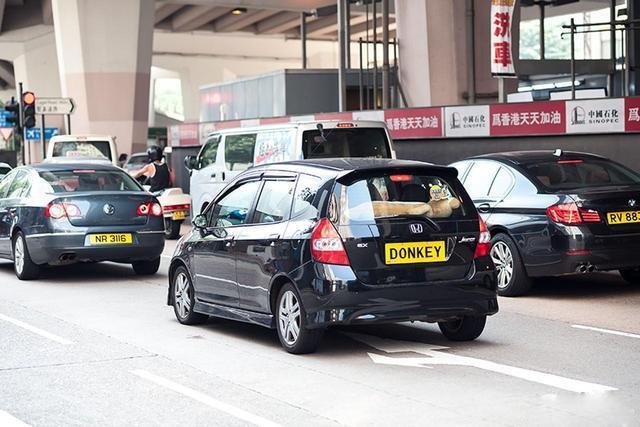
53 214
555 213
301 246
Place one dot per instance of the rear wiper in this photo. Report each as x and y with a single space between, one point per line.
413 217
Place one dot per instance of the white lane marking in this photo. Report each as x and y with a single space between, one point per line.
35 330
606 331
436 357
8 420
207 400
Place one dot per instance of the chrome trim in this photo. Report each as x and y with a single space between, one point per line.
146 232
55 234
218 279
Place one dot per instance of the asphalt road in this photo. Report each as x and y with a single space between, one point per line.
96 345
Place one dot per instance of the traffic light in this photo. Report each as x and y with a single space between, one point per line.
14 109
28 110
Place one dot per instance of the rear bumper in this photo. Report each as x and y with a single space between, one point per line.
337 297
62 248
578 248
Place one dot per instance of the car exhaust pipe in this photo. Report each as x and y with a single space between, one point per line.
67 257
582 268
591 268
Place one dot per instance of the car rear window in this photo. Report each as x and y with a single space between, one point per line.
346 142
579 173
400 196
69 181
92 149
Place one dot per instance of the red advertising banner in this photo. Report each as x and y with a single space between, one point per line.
632 114
414 122
530 118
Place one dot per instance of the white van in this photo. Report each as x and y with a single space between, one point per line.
228 152
92 148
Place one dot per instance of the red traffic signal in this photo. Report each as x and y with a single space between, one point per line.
28 98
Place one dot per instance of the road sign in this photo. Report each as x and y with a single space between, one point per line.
5 133
33 134
3 119
54 106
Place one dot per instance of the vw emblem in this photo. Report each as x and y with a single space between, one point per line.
632 203
108 209
416 228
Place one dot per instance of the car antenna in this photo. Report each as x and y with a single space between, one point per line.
321 130
557 152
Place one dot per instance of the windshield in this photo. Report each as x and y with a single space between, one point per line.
579 173
350 142
137 162
397 197
69 181
93 149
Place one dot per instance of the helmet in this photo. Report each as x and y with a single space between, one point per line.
154 153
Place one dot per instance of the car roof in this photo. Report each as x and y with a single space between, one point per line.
339 166
303 125
61 166
533 156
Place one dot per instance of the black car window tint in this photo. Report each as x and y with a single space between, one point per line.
18 186
68 181
209 153
501 184
234 207
94 149
5 183
346 142
274 202
238 151
480 177
578 173
306 190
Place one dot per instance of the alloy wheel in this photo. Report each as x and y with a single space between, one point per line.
181 295
18 255
503 260
289 318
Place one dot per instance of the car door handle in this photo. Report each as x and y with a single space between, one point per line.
484 207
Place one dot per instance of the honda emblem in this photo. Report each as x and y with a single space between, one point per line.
416 228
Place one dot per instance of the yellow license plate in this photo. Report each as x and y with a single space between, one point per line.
414 252
178 215
111 239
627 217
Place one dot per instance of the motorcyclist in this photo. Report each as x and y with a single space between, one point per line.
156 171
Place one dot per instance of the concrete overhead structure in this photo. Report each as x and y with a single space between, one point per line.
104 56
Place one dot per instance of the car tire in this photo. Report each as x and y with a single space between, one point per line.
172 229
291 323
183 296
631 275
511 276
146 268
23 266
467 328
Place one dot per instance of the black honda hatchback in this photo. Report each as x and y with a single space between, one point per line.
300 246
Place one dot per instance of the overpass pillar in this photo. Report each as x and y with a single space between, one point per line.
104 54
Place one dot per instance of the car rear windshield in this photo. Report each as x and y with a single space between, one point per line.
349 142
69 181
93 149
399 196
580 173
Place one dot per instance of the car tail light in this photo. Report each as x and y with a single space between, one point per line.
153 209
61 210
172 208
401 178
571 214
326 244
484 240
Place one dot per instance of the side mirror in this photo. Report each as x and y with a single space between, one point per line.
190 162
200 222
